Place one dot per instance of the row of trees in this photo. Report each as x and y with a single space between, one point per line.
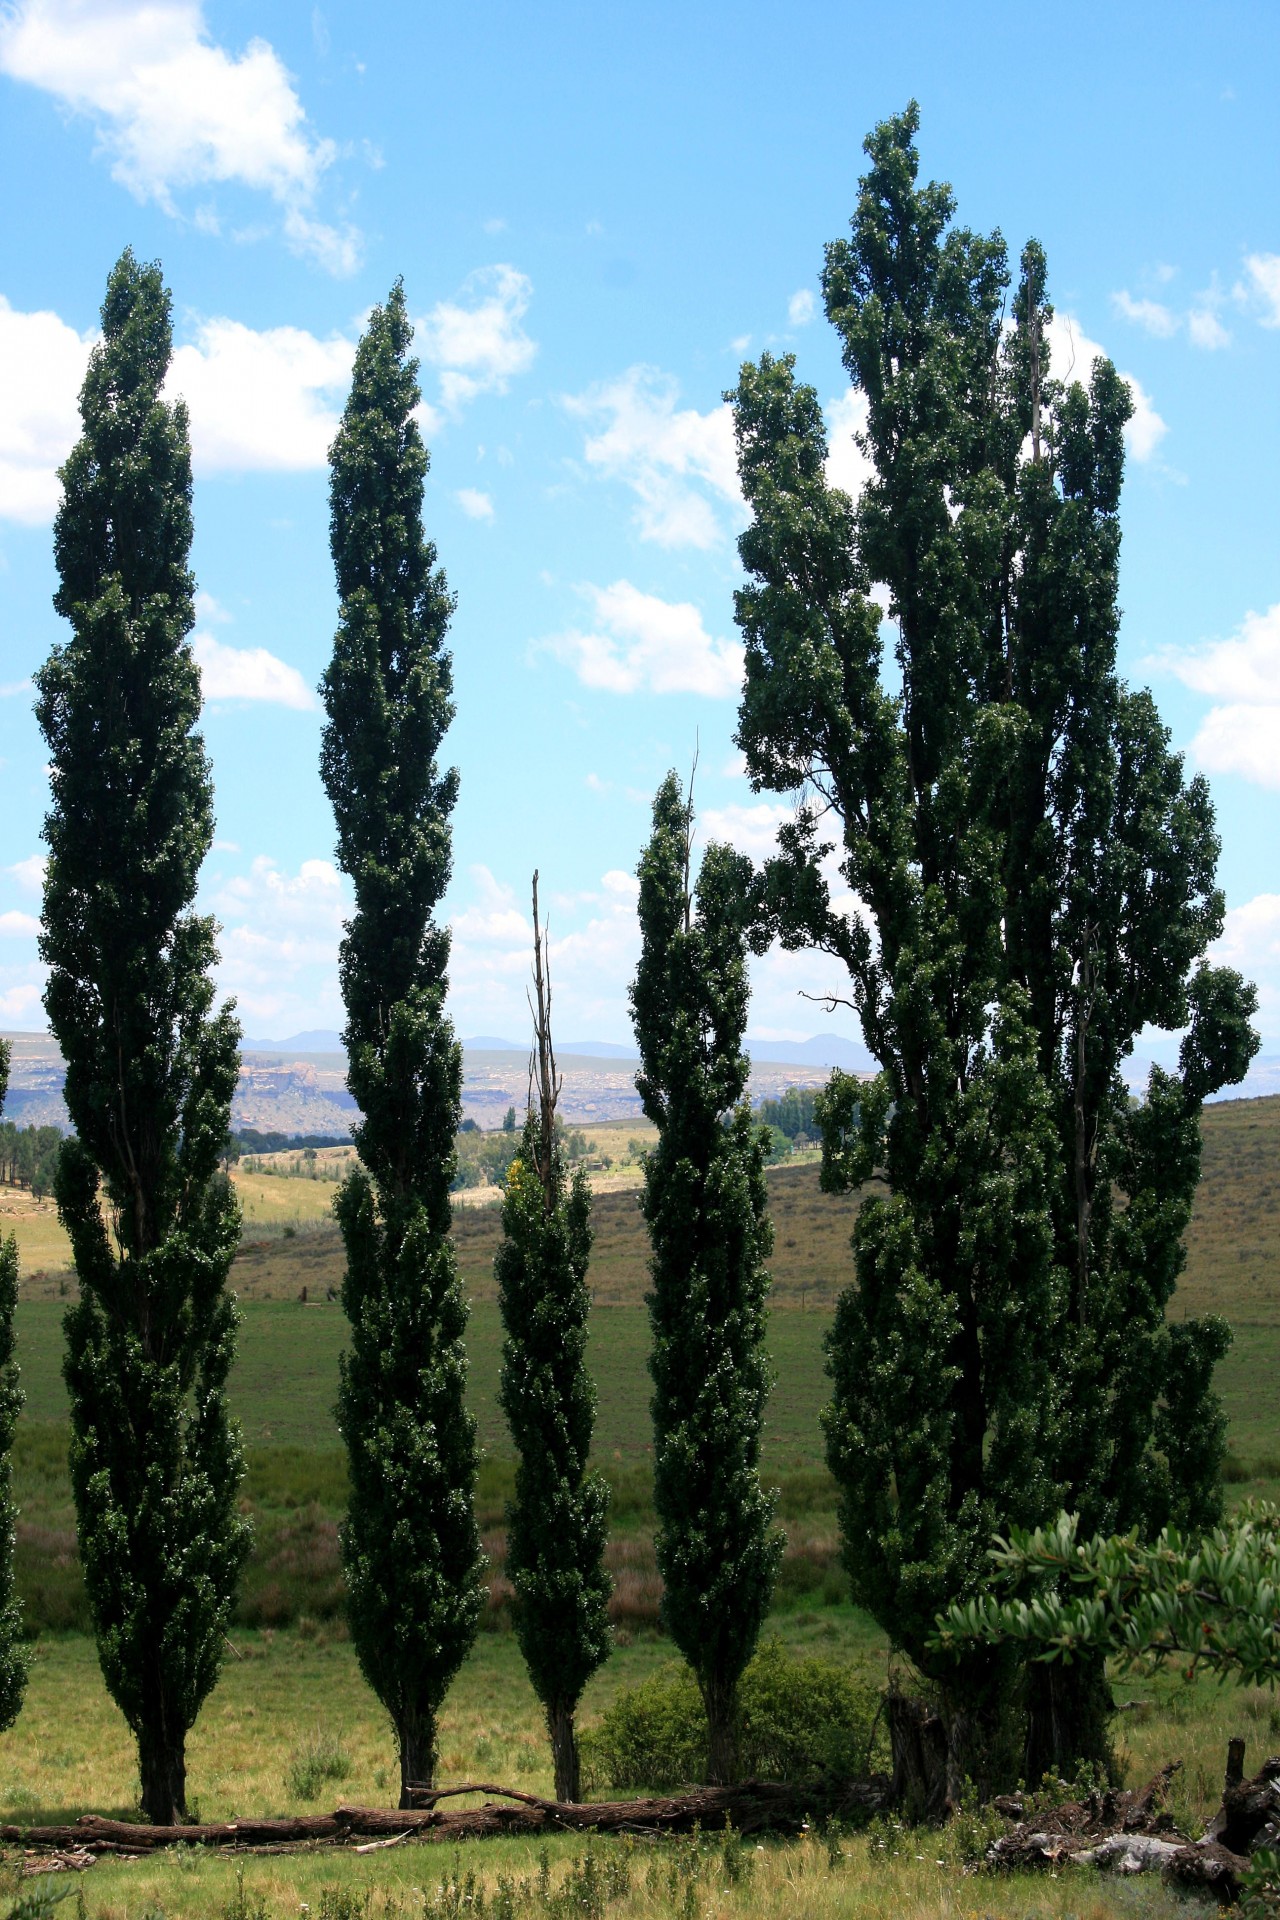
29 1156
1034 884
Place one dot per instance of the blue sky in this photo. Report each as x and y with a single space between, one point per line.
598 211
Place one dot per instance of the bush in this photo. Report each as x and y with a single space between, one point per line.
797 1718
319 1759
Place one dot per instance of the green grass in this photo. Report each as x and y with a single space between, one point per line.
285 1380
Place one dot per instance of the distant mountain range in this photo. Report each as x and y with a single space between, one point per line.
298 1085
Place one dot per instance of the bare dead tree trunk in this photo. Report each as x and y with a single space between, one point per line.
544 1079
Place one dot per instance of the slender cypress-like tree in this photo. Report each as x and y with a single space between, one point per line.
410 1544
154 1224
1037 880
707 1212
13 1658
558 1524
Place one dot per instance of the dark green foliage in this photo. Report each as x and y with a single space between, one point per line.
707 1213
410 1544
13 1661
155 1458
1040 881
558 1523
248 1140
796 1718
29 1156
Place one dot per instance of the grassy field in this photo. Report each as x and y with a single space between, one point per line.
291 1676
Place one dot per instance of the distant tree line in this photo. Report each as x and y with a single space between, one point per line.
29 1156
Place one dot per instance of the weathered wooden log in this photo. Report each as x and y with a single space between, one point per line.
753 1806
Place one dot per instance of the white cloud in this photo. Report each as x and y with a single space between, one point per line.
42 366
476 505
1250 942
29 873
1205 330
1241 732
801 307
249 673
260 401
1262 285
1071 357
752 829
279 929
1151 315
847 466
21 1009
479 344
174 111
493 919
681 464
640 643
18 926
8 688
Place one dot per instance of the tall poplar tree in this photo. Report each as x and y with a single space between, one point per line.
410 1544
153 1222
13 1658
558 1524
707 1212
1037 880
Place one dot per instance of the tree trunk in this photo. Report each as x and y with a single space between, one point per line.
564 1752
162 1769
720 1698
1068 1714
416 1739
918 1744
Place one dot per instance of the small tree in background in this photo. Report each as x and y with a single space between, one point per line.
707 1212
558 1524
13 1657
155 1457
410 1544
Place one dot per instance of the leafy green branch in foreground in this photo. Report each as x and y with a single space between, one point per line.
1211 1602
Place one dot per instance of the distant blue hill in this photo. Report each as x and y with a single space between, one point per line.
822 1050
318 1040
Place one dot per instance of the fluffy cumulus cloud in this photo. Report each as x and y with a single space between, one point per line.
638 643
478 342
261 401
29 873
1071 357
680 464
175 112
594 945
801 307
1251 943
1261 286
42 364
279 940
847 466
249 673
1203 327
1241 675
475 504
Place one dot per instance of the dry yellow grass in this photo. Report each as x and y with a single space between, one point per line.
70 1750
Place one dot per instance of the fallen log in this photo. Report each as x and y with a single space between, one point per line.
753 1806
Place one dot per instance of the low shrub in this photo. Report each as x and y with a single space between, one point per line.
797 1718
318 1759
